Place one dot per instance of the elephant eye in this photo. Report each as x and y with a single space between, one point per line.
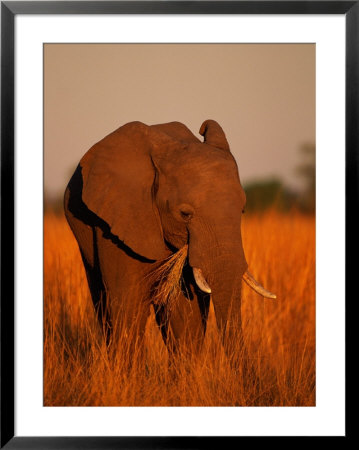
243 210
186 212
186 215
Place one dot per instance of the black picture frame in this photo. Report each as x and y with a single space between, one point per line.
9 9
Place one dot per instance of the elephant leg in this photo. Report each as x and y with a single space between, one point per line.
187 324
183 329
123 276
183 323
129 325
99 299
86 239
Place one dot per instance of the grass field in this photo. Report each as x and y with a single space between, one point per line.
279 334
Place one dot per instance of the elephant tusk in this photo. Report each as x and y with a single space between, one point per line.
201 281
253 283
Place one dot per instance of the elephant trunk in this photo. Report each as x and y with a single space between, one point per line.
219 265
205 266
216 253
226 286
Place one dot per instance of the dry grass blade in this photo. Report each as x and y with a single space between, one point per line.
167 278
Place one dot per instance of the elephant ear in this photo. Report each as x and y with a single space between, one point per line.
118 176
213 134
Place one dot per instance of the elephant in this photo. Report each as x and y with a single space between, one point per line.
145 197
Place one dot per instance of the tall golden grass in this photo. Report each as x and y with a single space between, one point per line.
279 334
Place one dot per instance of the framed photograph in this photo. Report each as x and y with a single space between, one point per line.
175 233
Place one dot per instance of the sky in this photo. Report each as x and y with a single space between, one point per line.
263 96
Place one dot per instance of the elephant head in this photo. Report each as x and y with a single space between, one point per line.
159 188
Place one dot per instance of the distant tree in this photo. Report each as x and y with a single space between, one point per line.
55 201
54 204
306 170
270 193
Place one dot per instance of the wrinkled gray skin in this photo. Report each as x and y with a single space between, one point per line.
140 194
